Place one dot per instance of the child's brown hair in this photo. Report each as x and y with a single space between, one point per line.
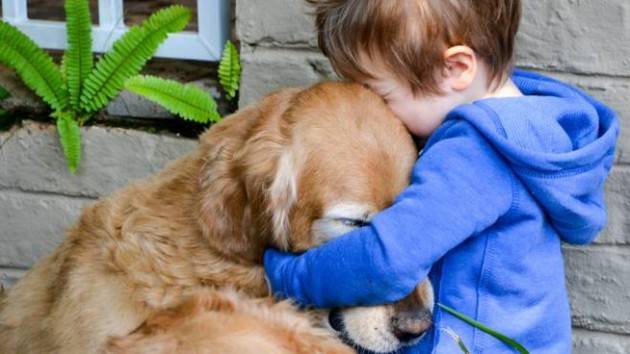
409 37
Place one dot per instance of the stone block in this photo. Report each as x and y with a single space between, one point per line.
598 278
266 70
278 23
587 342
32 225
576 36
617 230
31 159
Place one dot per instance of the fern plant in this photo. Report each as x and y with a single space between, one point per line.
78 89
230 70
188 101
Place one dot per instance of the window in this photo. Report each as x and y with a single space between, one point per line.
204 44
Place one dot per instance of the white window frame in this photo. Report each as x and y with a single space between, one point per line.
206 44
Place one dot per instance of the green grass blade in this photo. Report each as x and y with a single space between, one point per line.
70 137
187 101
457 339
230 70
78 62
507 340
34 66
129 55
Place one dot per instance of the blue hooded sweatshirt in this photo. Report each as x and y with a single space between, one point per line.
500 184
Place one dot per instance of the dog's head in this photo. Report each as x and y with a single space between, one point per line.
305 166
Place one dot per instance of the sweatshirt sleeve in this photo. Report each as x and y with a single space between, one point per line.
459 187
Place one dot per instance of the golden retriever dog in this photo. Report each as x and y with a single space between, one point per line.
296 169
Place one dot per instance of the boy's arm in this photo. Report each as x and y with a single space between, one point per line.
459 187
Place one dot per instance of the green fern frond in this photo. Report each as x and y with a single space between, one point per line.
230 70
70 137
78 62
62 67
129 55
34 66
187 101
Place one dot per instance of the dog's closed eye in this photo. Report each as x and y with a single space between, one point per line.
339 219
352 222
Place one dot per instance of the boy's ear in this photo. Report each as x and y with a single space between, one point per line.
460 67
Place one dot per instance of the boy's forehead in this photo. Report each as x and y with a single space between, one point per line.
371 69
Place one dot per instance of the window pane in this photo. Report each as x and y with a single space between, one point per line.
138 10
53 10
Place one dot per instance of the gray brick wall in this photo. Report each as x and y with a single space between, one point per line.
582 42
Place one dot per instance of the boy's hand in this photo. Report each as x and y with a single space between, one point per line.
279 266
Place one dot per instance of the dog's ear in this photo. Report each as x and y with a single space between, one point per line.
282 196
242 157
269 165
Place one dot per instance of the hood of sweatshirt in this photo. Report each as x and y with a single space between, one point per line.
560 143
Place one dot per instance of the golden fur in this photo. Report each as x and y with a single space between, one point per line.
213 322
260 178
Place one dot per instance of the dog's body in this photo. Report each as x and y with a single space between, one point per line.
207 218
225 322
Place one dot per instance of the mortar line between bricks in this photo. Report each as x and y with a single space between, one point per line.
598 246
618 333
13 268
46 194
297 46
589 75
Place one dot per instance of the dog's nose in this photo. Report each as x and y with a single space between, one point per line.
411 325
335 319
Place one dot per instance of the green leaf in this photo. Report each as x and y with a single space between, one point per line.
187 101
70 137
129 55
503 338
34 66
230 70
77 60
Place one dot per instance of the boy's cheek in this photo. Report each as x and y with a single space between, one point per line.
413 117
405 112
420 118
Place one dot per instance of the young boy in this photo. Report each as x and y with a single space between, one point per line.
512 167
